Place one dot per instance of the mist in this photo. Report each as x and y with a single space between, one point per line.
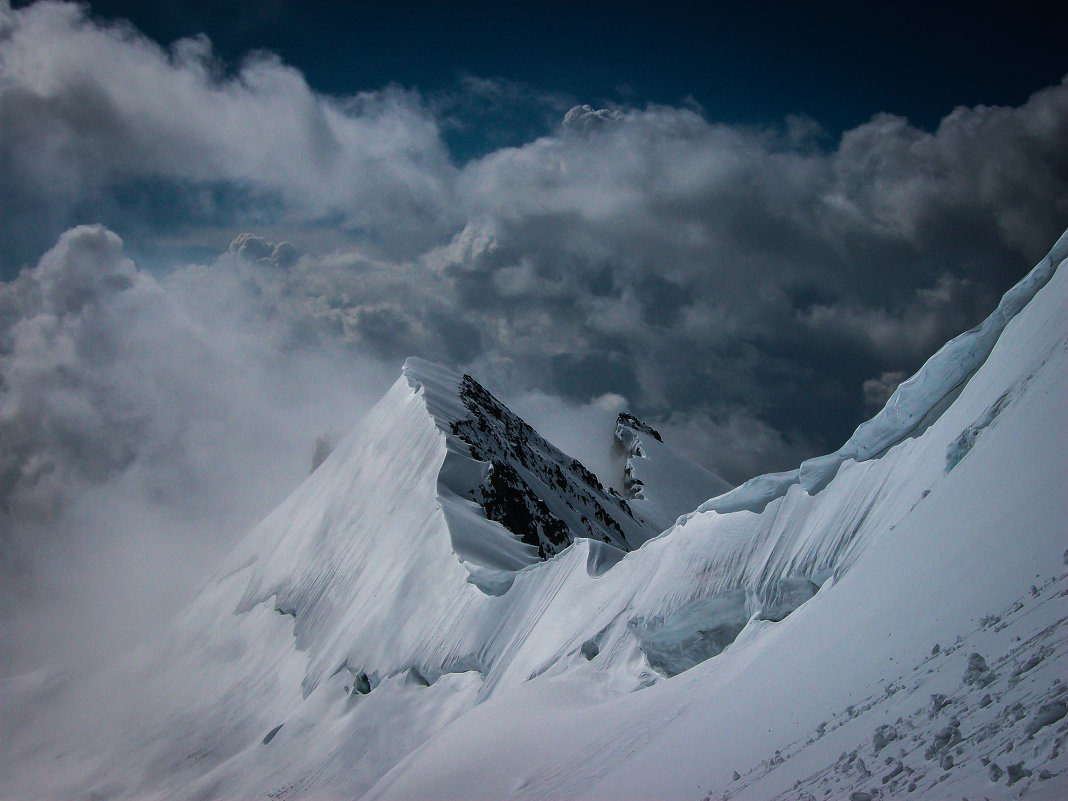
147 424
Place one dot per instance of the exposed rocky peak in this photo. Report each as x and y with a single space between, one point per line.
659 482
625 421
628 443
509 500
543 496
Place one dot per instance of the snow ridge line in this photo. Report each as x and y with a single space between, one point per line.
915 402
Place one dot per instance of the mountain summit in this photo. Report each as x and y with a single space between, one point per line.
659 482
542 498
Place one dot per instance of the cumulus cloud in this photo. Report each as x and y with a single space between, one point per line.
147 416
101 119
256 248
753 292
584 117
683 263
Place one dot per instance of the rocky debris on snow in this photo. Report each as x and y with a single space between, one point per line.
271 734
1004 719
1046 715
883 736
978 673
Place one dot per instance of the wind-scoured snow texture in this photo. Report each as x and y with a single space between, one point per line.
763 643
660 483
916 402
850 695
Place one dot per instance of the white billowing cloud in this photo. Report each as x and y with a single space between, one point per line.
256 248
86 108
977 161
584 117
153 417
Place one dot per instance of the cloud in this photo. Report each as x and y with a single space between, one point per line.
256 248
733 443
903 334
101 120
151 417
735 267
877 391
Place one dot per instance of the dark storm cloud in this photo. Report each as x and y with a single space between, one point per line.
877 391
695 266
755 291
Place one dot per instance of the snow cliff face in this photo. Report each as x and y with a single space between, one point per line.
445 572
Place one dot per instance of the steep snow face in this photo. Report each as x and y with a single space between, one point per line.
366 556
660 483
353 555
925 650
344 649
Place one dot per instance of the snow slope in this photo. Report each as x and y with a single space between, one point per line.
379 635
950 544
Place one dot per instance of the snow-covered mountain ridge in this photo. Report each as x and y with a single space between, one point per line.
954 535
381 635
542 498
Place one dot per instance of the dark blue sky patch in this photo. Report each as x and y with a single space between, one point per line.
837 62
